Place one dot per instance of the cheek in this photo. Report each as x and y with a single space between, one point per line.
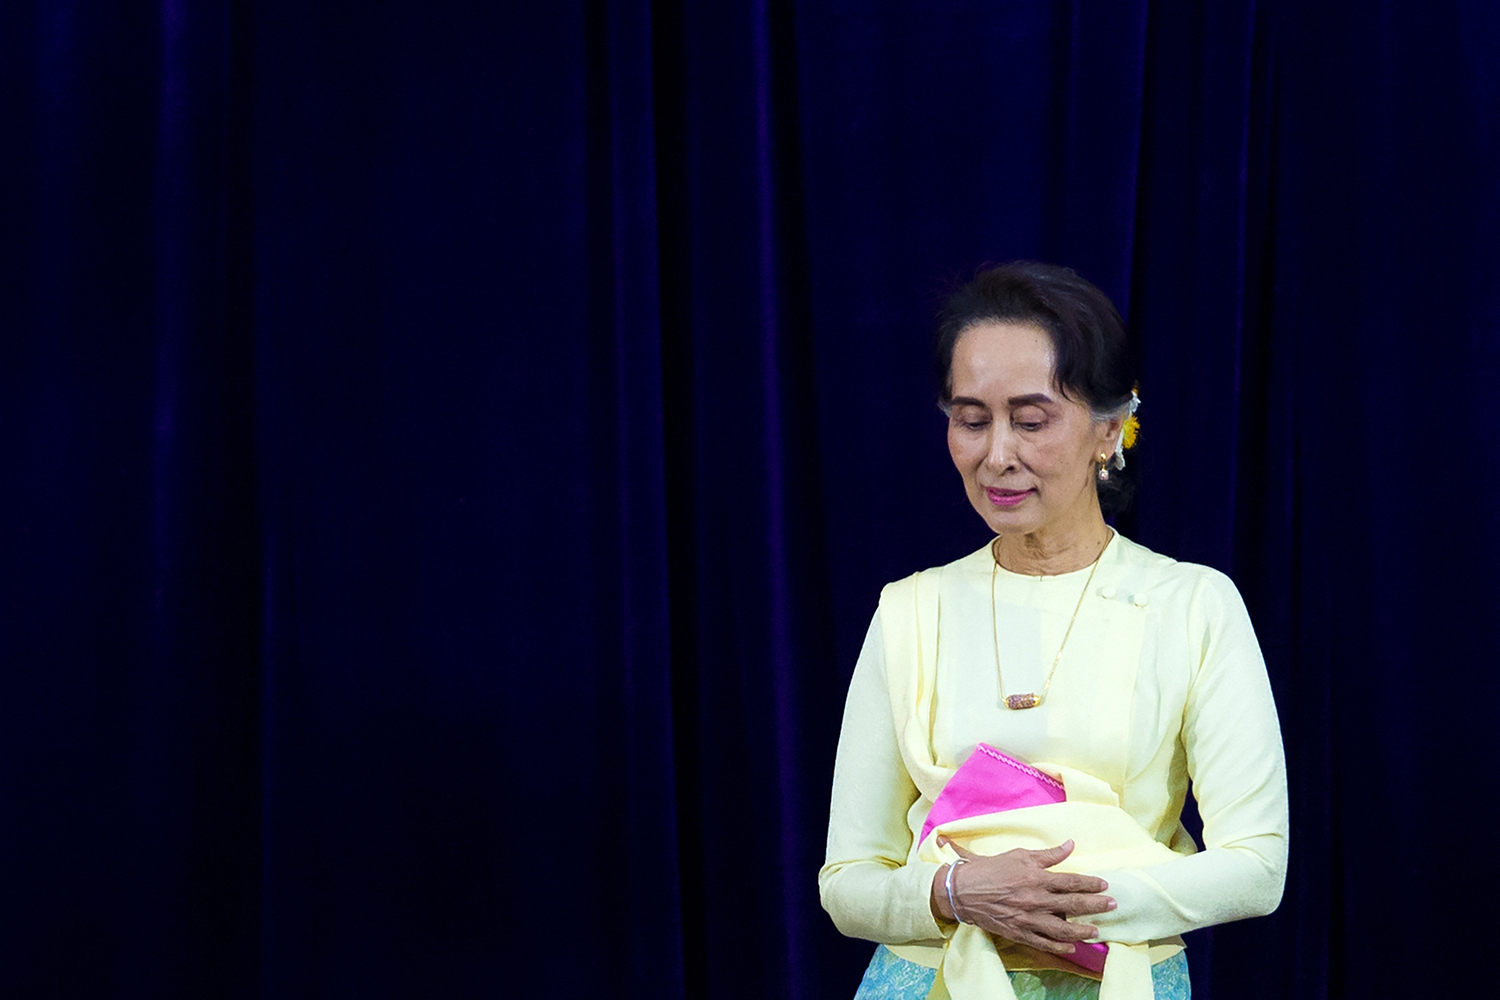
964 452
1048 460
1064 461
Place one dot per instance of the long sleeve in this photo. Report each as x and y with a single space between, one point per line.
1234 756
866 883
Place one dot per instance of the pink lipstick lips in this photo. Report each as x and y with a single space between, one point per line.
1006 498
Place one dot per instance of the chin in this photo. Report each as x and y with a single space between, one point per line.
1007 522
1012 526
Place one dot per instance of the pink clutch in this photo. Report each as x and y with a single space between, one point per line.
990 782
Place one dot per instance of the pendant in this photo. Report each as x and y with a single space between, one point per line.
1020 701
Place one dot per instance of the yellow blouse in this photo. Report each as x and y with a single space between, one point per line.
1161 680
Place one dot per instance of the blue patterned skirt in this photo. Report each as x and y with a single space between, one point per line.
890 977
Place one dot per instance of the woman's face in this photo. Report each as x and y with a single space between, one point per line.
1028 454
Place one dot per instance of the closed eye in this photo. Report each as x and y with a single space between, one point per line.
1028 418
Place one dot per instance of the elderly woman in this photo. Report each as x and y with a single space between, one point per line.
1022 723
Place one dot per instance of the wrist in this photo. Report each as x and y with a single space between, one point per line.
942 909
950 891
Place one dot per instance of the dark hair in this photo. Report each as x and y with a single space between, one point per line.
1093 364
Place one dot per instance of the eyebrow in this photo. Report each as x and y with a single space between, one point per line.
1030 399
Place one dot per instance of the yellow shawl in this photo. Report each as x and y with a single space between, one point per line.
972 966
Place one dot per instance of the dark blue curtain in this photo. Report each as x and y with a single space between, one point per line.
451 453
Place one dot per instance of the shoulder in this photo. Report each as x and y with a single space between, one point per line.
974 566
1200 594
1170 582
976 563
1167 571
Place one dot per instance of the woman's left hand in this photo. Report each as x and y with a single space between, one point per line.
1014 896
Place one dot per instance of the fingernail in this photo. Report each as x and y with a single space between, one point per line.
1113 904
1106 886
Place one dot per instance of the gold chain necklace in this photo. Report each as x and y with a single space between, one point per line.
1031 699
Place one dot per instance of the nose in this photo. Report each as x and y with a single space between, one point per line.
1001 454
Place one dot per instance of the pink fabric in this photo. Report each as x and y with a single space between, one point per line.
990 782
1089 954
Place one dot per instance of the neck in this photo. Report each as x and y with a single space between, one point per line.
1050 553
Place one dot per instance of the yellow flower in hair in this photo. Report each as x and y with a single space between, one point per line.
1129 431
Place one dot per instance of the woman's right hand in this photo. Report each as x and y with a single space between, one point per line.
1014 896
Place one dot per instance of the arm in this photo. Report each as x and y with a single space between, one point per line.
873 892
1233 745
866 885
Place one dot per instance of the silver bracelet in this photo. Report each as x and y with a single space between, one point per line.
948 885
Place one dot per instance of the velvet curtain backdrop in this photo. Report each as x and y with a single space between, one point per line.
451 453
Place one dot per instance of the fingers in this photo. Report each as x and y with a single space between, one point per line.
1045 858
1046 944
1067 882
1051 934
1070 882
1053 855
1038 862
958 849
1079 904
